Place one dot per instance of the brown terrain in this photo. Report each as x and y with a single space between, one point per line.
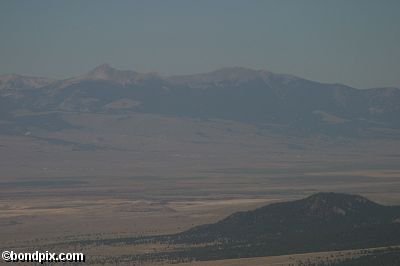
114 153
132 175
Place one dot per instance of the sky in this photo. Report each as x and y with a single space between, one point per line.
354 42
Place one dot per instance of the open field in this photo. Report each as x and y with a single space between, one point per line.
134 175
95 207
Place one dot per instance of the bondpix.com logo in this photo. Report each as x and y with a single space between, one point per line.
41 257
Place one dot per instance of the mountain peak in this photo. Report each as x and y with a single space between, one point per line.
330 197
103 71
233 75
107 72
104 67
238 70
238 73
328 204
123 77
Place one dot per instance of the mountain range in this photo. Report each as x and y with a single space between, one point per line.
239 94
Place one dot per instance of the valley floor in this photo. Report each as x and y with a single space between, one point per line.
134 175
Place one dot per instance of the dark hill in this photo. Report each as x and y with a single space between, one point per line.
321 222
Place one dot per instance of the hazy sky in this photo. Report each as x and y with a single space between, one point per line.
355 42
